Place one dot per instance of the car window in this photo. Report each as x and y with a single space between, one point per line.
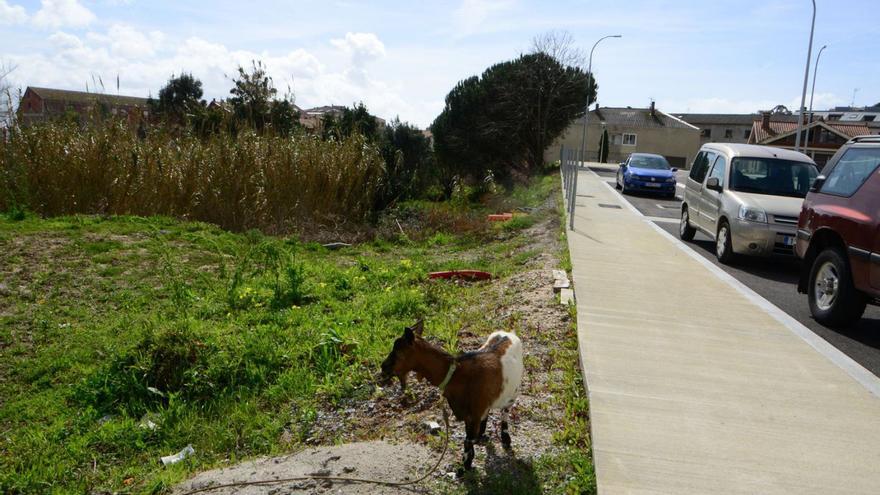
851 171
647 161
718 170
772 176
701 165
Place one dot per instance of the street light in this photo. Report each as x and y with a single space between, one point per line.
589 89
800 126
812 92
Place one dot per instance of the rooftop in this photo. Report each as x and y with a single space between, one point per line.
777 128
638 118
67 95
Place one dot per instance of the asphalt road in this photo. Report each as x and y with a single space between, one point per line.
773 278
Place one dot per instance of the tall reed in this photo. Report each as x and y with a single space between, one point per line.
242 181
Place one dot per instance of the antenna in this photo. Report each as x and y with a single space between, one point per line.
853 102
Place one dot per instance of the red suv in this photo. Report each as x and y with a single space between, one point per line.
838 236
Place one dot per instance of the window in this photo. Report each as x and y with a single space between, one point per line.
701 165
772 176
851 171
648 161
747 133
706 133
868 118
629 139
615 139
728 133
719 169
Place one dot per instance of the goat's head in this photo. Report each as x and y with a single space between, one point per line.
403 355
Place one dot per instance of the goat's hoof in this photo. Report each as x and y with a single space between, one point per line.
482 440
462 471
505 440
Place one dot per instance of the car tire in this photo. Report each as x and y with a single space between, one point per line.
685 231
623 189
723 244
617 182
834 300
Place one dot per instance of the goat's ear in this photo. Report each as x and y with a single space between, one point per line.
419 327
408 335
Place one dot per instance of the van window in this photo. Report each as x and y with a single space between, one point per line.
701 165
719 169
851 171
772 176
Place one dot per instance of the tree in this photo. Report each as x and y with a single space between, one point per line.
252 95
179 98
283 116
603 147
780 110
408 160
559 45
8 98
502 121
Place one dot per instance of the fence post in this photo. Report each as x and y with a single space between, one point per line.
573 194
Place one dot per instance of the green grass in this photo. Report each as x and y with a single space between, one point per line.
229 342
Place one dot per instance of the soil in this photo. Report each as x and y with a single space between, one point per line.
524 302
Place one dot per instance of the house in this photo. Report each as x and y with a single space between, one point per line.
825 137
721 127
870 116
313 118
631 130
43 104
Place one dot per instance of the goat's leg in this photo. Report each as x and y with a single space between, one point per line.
482 438
472 430
505 436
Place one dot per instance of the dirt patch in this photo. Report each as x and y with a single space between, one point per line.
372 460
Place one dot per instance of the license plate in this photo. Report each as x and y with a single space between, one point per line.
651 184
788 240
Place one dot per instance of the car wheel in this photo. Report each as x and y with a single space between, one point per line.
617 182
685 231
723 244
623 187
834 301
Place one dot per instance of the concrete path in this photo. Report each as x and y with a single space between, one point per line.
698 386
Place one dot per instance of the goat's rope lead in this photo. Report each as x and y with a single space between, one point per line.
339 478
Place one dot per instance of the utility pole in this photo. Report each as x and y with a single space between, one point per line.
800 126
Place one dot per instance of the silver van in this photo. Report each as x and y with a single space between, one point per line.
747 198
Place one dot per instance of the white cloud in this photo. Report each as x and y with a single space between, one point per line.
11 14
60 13
361 47
473 16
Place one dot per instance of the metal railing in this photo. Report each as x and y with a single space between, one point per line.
569 161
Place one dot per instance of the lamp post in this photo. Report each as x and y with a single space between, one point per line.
590 84
812 93
800 126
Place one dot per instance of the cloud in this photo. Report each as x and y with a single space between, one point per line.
473 16
11 14
62 13
361 47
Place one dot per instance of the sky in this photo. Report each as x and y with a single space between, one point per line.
402 58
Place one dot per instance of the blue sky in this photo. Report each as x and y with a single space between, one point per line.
401 58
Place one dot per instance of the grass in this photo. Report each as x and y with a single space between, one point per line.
238 181
230 342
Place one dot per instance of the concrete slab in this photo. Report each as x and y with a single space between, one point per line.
695 386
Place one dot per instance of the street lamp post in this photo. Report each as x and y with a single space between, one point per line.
800 126
812 93
589 90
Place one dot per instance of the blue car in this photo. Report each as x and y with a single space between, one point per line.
646 172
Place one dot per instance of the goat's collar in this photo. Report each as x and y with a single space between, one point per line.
449 374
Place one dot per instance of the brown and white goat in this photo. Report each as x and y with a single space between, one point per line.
473 382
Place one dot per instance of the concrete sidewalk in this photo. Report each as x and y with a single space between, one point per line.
697 386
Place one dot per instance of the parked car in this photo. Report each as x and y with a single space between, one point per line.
838 235
746 198
646 172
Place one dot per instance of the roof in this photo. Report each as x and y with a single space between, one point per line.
779 129
67 95
325 109
638 118
698 119
758 151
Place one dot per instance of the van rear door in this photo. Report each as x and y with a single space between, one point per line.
694 185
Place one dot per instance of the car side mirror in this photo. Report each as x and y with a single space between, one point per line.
674 169
817 184
714 184
622 164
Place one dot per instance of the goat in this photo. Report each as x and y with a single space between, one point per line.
473 383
